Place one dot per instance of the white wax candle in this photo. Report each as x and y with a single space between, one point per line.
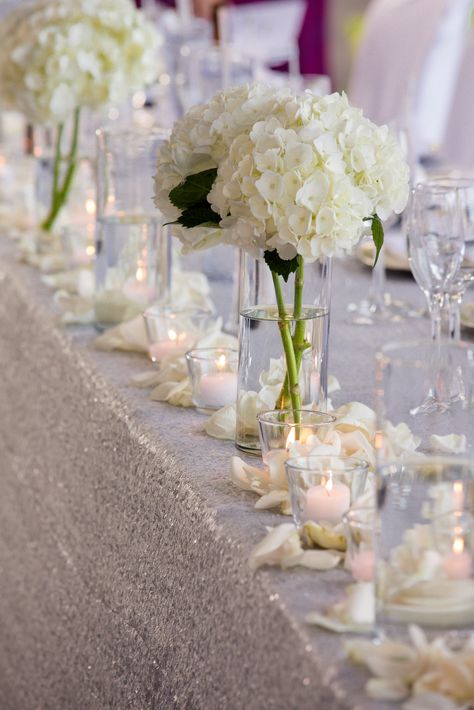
164 348
218 390
458 565
139 292
362 566
327 503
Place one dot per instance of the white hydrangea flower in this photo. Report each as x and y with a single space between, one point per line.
57 55
299 174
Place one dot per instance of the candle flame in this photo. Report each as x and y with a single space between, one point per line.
458 545
172 335
329 485
290 438
140 274
90 250
90 206
221 362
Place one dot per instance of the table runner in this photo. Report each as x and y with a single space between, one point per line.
123 544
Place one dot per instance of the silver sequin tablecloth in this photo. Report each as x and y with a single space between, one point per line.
123 545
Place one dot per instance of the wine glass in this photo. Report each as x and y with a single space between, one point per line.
205 70
435 231
404 374
465 185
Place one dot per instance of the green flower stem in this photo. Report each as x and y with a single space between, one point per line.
288 347
60 193
299 343
298 338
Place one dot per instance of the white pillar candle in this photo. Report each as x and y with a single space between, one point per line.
218 390
327 503
459 563
362 566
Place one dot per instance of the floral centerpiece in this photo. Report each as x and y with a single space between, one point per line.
298 177
59 56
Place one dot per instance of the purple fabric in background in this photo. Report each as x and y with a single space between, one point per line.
312 38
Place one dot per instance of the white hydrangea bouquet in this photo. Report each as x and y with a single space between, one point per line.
297 176
58 56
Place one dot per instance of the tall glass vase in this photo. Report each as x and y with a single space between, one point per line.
267 340
132 266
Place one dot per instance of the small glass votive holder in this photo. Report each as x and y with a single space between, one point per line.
213 373
424 570
359 525
280 428
172 331
323 488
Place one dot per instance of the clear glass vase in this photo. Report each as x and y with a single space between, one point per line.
263 381
133 262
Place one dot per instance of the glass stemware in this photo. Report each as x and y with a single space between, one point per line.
205 70
465 186
435 230
405 378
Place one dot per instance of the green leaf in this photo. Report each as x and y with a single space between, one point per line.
193 190
199 215
377 235
282 267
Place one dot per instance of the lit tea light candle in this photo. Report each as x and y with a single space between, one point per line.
220 388
458 564
137 289
165 348
327 502
362 566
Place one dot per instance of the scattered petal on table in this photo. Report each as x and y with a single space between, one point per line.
450 444
386 689
324 537
147 379
74 308
221 424
178 394
130 336
278 547
249 478
272 499
433 701
317 559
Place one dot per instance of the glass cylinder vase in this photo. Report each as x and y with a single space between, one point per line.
264 342
133 255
